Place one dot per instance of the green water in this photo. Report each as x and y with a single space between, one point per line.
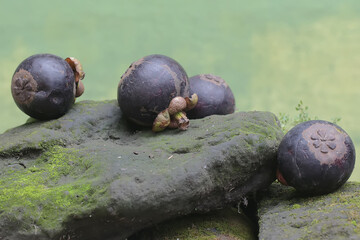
272 53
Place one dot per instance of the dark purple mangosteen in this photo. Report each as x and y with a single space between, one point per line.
44 86
214 96
154 91
315 157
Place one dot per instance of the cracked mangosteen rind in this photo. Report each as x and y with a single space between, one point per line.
315 157
215 96
149 85
43 86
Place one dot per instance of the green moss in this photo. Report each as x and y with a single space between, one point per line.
315 221
336 214
49 144
208 128
40 195
296 206
226 224
16 148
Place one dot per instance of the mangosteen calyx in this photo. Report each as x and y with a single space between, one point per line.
191 102
174 116
79 74
162 121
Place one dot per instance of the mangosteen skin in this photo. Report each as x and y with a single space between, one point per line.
148 86
316 157
43 86
214 96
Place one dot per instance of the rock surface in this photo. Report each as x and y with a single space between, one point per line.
92 175
226 224
285 215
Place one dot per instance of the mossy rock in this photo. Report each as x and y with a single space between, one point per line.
286 215
92 175
227 224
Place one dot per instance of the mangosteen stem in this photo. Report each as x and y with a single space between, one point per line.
179 120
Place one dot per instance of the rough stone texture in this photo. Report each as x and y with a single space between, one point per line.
92 175
285 215
227 224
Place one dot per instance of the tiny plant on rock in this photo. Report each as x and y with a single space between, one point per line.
303 115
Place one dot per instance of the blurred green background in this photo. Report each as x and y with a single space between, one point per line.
272 53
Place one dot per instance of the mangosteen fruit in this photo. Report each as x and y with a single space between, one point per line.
154 91
214 96
315 157
44 86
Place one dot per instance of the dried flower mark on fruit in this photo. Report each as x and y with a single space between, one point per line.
325 142
24 87
214 79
